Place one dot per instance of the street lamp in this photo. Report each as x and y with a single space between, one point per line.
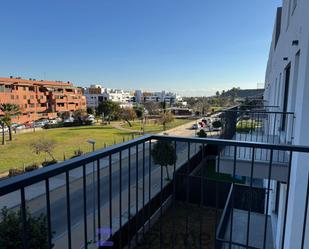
92 142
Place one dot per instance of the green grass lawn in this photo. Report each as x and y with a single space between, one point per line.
246 126
17 152
153 127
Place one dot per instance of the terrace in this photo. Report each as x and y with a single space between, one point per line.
119 197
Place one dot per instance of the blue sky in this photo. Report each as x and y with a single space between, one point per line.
193 47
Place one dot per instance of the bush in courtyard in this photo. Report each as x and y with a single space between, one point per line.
15 172
77 153
48 163
217 124
202 133
32 167
11 230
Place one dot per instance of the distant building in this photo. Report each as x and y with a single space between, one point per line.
159 97
96 94
40 99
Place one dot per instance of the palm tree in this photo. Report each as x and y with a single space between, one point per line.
2 124
10 111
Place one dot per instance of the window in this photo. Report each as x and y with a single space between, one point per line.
288 14
277 198
279 90
25 97
294 6
12 96
286 95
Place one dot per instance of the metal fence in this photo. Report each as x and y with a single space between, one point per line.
116 197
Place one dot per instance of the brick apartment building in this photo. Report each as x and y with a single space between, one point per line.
40 99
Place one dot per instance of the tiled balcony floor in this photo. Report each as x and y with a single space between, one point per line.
256 232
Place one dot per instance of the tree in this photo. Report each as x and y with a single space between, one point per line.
91 110
80 116
109 109
152 107
65 115
139 111
128 114
164 154
217 94
44 145
2 124
165 118
11 230
10 111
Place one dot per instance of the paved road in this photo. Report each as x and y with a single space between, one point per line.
77 194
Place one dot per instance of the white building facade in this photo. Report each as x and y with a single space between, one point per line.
287 87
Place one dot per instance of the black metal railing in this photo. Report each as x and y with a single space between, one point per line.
121 195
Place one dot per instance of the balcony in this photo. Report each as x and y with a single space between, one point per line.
121 197
257 126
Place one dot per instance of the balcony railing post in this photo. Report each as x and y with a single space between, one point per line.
267 200
24 219
120 198
48 213
129 197
136 197
232 196
67 184
286 200
99 200
110 194
85 207
305 215
250 198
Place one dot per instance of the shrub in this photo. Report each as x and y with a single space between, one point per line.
216 124
15 172
32 167
202 133
77 153
11 230
48 163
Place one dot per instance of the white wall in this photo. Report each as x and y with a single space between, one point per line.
294 26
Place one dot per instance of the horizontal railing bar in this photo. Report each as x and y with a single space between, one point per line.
258 111
236 244
225 142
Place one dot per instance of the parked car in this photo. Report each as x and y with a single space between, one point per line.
195 127
19 127
52 121
68 120
91 118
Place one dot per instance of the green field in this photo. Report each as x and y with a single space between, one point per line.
154 127
17 153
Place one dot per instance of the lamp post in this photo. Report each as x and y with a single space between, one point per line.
92 142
